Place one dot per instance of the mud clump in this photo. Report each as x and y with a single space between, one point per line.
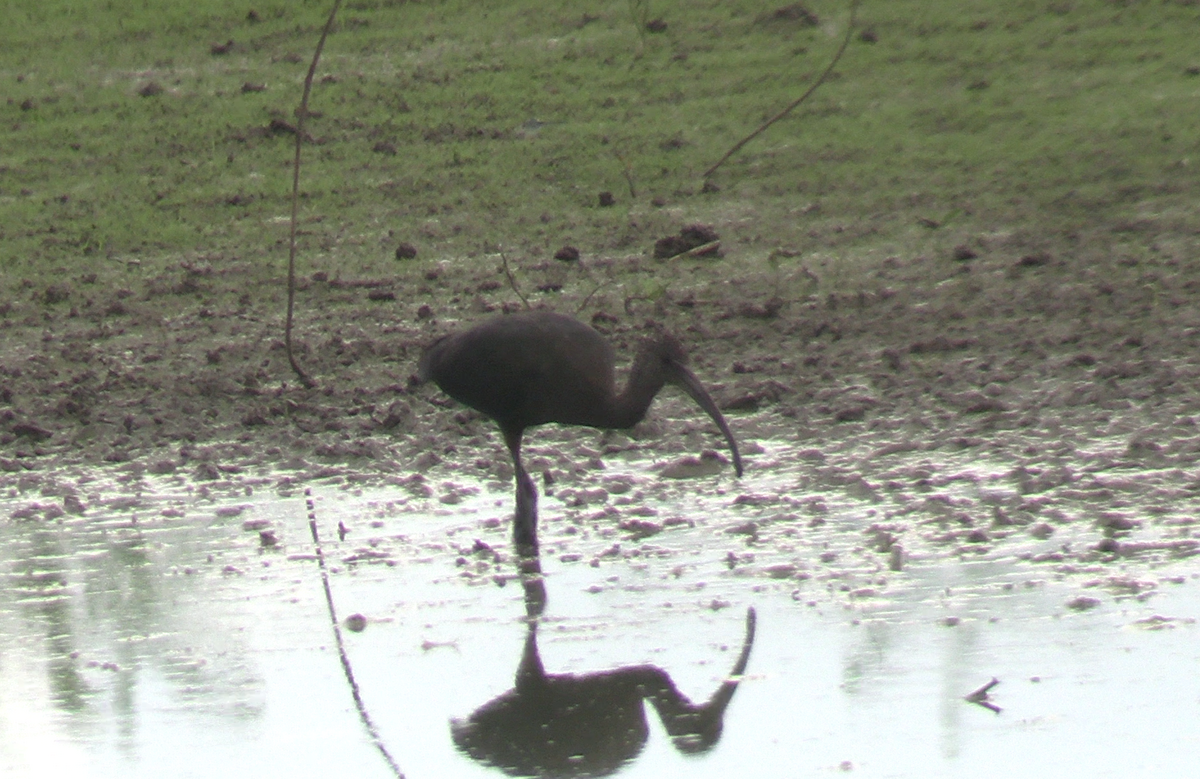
567 254
689 238
795 13
55 294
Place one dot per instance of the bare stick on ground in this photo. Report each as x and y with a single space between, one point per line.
627 172
301 115
980 697
820 80
512 281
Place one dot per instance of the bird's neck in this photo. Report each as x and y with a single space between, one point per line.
630 406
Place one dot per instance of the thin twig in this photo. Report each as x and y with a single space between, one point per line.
841 49
639 12
590 295
981 698
627 171
301 115
341 646
512 281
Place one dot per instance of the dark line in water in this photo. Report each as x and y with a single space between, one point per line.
341 646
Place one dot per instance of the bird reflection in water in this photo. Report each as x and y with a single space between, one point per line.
573 725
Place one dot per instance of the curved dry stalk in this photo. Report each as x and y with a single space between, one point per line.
583 304
820 80
301 115
512 281
627 172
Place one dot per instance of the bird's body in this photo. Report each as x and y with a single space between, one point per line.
527 370
538 367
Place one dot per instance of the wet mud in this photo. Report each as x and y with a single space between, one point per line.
990 476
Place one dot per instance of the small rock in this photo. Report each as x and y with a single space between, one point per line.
640 528
795 12
56 293
1114 522
709 463
852 413
279 126
567 254
31 430
699 234
669 246
690 237
962 253
781 570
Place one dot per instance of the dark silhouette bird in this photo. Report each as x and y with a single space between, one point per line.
590 724
536 367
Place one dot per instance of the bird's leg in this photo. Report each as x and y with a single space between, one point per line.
525 521
534 586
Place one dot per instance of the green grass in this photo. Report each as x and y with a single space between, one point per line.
1058 117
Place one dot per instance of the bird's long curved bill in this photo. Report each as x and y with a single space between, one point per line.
692 386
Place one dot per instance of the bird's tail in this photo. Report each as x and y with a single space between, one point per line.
424 367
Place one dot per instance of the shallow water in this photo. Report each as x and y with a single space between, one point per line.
157 635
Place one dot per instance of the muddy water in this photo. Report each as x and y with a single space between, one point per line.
151 626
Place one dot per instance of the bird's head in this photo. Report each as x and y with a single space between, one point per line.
662 352
664 357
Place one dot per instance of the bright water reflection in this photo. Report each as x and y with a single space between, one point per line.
158 634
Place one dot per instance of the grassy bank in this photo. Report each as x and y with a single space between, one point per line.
457 125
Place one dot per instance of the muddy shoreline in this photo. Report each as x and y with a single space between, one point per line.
185 372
